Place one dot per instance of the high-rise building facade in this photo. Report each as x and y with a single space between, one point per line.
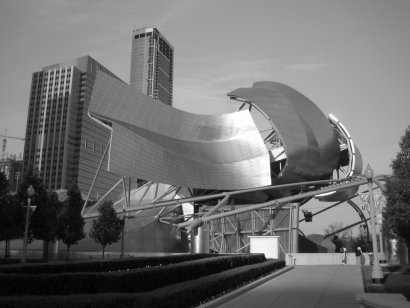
152 64
63 144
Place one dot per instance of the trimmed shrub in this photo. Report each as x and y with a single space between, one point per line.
100 266
184 294
138 280
399 282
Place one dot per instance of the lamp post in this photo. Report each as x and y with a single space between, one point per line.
377 274
30 192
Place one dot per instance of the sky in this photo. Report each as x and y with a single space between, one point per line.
350 57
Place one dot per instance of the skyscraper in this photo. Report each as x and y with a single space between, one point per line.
152 64
62 143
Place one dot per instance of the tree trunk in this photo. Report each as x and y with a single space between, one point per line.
45 250
68 252
408 252
7 249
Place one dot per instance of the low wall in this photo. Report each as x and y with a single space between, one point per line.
323 259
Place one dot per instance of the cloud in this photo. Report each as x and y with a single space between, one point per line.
307 67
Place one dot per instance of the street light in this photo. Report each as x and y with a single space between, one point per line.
30 193
377 274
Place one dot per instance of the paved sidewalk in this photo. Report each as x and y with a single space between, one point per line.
305 286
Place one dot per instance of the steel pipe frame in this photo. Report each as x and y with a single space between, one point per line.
280 201
146 206
237 235
346 228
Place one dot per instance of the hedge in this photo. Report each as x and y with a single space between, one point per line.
100 266
139 280
184 294
399 282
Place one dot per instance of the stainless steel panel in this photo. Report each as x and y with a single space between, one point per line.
310 143
156 142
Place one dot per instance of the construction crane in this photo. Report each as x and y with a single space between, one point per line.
3 144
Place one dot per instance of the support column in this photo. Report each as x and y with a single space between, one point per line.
200 239
295 227
290 240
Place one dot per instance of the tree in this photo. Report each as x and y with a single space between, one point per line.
11 215
334 227
44 221
338 238
38 199
70 223
396 214
4 184
107 228
11 220
361 240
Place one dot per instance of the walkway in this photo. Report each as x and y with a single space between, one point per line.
305 286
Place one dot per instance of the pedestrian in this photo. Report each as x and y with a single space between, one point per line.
343 252
358 255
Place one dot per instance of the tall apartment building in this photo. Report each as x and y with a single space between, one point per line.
152 64
62 143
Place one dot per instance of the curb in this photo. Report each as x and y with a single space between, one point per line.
227 297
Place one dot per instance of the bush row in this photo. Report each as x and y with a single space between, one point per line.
184 294
139 280
399 282
100 266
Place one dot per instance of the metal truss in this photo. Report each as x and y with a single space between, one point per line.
229 224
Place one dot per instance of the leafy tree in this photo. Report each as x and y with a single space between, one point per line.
361 240
336 226
40 193
39 198
11 220
10 226
44 221
107 228
70 223
4 184
397 211
401 164
340 238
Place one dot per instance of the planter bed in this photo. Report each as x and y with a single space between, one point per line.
100 266
127 281
184 294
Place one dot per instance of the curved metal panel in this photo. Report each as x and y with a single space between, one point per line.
156 142
310 143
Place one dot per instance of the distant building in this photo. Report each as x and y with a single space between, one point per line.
12 168
152 64
62 143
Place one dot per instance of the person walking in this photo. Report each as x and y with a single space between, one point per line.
343 252
358 255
